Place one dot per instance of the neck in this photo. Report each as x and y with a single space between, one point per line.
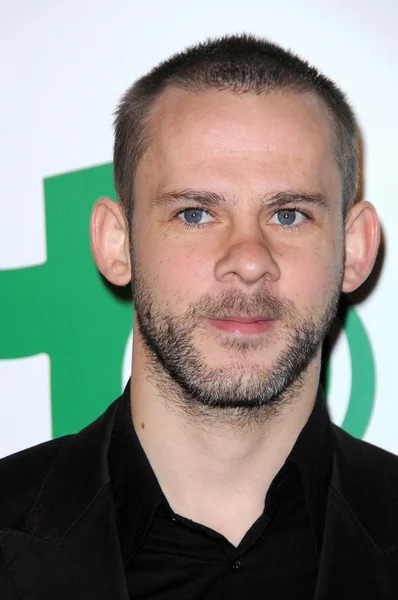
217 471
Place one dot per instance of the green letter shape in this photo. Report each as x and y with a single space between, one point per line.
65 309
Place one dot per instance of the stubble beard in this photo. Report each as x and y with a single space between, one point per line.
241 392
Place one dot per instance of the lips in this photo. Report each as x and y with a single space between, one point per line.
241 319
243 324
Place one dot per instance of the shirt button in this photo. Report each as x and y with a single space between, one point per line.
235 566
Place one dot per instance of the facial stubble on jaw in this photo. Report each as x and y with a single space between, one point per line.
182 374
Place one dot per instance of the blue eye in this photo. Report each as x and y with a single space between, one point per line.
288 216
195 216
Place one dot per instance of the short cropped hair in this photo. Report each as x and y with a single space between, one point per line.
240 63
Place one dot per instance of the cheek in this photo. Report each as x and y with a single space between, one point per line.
178 276
310 281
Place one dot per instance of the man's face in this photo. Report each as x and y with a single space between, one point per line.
237 242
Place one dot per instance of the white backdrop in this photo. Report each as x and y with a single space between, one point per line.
64 66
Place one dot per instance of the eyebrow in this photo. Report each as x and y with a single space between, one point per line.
209 199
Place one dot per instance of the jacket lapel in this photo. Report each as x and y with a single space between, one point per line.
68 545
358 558
351 565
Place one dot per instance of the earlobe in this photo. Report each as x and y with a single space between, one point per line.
110 241
362 240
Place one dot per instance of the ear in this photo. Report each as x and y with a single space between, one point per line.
362 240
110 241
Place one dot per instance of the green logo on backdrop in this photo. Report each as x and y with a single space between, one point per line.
64 308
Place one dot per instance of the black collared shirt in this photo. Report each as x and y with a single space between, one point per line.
168 557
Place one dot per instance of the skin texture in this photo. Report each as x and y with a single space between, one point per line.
250 161
240 257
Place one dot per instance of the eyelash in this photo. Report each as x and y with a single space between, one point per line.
194 225
308 217
293 227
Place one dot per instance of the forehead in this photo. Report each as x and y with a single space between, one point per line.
221 138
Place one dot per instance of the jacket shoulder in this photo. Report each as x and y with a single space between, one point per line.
355 450
45 475
21 477
366 477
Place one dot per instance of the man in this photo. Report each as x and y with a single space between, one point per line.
218 474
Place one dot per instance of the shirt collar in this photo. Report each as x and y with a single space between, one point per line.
137 493
312 454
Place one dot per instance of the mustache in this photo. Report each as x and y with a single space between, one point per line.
234 302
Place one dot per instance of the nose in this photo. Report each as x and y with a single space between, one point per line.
247 260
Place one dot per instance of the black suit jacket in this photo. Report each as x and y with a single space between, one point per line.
58 536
